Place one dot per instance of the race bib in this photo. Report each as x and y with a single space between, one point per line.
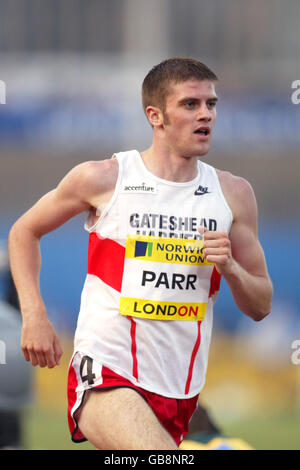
165 279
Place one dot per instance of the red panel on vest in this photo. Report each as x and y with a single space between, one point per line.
215 282
106 260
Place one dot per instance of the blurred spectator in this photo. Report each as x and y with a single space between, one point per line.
205 434
15 373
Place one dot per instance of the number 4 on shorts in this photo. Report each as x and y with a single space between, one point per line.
89 376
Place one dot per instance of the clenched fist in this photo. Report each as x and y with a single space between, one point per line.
217 249
39 342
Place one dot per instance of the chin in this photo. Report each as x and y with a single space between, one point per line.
196 151
202 153
203 150
199 152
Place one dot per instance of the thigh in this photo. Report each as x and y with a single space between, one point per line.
120 418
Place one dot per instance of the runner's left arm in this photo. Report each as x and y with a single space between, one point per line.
239 256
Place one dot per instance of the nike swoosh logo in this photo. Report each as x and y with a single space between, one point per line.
201 191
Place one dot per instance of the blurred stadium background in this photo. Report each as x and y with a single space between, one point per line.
73 71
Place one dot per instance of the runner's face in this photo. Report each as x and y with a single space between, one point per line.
190 116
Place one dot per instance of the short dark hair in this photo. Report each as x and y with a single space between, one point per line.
157 83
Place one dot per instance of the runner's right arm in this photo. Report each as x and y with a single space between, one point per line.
76 193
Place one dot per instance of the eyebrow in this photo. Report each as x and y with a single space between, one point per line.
192 98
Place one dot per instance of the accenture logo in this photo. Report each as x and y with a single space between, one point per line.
141 188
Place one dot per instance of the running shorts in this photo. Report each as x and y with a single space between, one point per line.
86 374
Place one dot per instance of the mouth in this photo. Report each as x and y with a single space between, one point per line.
204 131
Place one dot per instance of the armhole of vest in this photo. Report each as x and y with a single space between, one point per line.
223 196
110 202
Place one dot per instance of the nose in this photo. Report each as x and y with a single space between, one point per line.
204 113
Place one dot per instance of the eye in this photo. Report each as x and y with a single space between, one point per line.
190 104
211 104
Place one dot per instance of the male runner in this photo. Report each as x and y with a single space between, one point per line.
164 227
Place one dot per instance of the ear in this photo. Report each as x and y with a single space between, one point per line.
155 116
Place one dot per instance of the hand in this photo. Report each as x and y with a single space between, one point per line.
217 249
40 344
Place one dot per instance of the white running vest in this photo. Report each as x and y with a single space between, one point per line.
147 302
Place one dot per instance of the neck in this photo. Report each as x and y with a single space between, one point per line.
168 165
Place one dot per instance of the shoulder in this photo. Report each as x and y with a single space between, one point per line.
96 172
93 175
233 184
238 193
89 180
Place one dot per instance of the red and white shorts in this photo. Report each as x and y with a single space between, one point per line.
86 374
